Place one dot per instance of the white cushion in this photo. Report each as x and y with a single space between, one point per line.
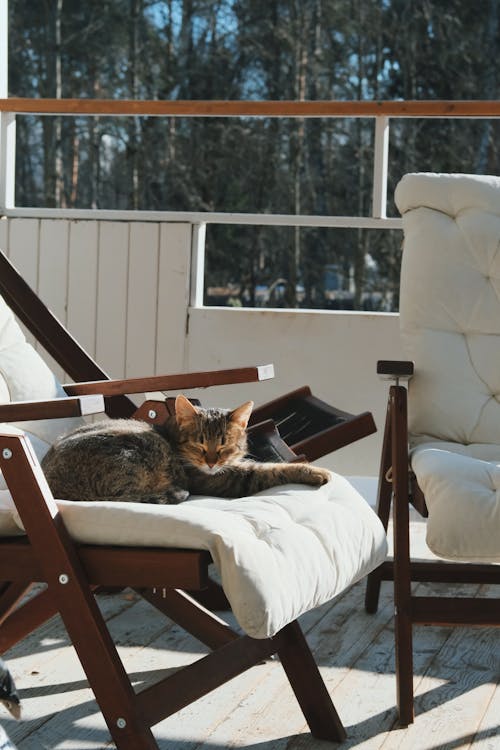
279 553
461 485
450 326
450 304
24 376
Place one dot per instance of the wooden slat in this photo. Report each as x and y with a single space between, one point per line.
198 679
218 108
57 408
439 571
430 610
144 567
172 382
116 566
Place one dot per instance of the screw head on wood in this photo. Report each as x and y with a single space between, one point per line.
152 414
7 453
64 578
121 723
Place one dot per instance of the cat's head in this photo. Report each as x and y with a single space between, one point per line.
211 439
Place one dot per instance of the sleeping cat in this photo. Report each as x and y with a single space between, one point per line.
200 451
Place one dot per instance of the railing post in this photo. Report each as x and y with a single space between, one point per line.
380 164
197 265
7 119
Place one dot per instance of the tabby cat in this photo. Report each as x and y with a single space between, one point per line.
199 451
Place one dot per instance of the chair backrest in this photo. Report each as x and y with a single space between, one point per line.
450 304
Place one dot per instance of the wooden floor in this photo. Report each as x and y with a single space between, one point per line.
457 675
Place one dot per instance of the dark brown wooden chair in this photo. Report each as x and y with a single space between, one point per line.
441 444
74 572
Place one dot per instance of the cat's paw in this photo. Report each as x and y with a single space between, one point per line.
319 476
176 496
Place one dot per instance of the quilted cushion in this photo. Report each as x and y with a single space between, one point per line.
450 304
450 326
461 485
279 553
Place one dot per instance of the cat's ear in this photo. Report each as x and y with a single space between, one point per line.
184 410
241 415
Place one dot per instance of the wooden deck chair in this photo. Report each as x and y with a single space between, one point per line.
441 448
329 538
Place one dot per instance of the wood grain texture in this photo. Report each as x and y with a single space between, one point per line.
282 108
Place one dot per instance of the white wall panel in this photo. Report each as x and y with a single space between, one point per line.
112 289
23 237
82 282
142 299
4 235
173 297
53 273
124 289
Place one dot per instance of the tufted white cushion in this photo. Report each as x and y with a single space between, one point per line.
279 553
450 326
24 376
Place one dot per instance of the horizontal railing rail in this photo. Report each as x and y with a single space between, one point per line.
381 111
251 108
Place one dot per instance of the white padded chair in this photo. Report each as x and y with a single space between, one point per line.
279 554
450 328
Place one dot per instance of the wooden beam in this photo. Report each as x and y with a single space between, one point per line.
218 108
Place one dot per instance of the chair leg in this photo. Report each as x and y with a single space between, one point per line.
374 579
404 668
402 566
384 496
308 686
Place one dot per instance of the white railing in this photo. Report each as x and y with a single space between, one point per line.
380 112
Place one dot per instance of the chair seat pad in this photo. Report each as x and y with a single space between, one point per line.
279 553
461 484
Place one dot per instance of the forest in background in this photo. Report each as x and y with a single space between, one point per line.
253 49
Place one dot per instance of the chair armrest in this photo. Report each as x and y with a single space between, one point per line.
172 382
395 369
56 408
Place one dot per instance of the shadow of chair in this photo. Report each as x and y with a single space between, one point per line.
328 536
441 446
